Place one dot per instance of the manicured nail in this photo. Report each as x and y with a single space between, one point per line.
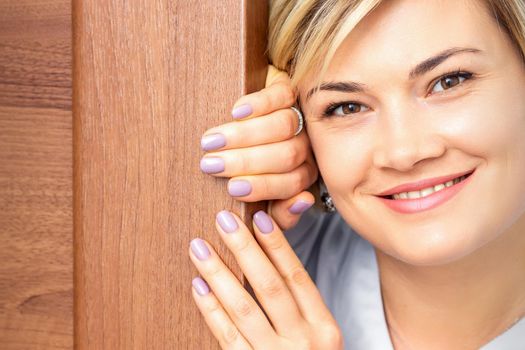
199 249
200 286
227 222
212 165
242 111
299 207
212 142
239 188
263 222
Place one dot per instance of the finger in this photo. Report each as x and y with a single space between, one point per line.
288 212
283 257
273 158
267 283
216 318
277 95
238 303
255 188
276 126
275 75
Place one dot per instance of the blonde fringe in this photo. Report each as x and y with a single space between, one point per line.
305 34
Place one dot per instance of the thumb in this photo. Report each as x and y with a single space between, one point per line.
276 76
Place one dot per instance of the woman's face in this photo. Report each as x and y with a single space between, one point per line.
409 124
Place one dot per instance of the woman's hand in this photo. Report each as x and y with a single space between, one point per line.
261 154
299 317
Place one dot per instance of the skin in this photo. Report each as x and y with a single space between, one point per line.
452 276
278 165
299 317
290 300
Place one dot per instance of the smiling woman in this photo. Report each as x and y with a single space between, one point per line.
441 96
416 118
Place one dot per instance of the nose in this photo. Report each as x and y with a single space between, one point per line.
405 138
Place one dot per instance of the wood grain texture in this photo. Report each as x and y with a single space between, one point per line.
36 279
150 78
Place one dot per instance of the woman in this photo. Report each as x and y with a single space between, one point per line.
416 117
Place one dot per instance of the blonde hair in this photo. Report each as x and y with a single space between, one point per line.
305 34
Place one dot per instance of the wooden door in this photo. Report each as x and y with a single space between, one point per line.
36 166
118 160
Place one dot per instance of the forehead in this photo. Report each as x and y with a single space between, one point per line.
400 33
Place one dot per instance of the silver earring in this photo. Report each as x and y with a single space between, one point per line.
328 203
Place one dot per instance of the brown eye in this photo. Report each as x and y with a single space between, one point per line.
450 81
346 108
351 108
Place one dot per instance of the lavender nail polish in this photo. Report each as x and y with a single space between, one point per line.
242 111
227 221
239 188
212 165
200 286
199 249
212 142
263 222
299 207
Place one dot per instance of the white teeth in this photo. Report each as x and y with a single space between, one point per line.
414 194
439 187
428 191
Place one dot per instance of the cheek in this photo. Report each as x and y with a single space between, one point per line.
490 119
342 155
498 134
487 126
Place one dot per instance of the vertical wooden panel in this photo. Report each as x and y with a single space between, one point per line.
149 78
36 230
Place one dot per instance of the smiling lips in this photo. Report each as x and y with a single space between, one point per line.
415 202
422 184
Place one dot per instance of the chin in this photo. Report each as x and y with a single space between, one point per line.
433 241
433 250
435 245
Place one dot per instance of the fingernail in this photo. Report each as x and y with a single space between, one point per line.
199 249
227 222
239 188
212 165
200 286
213 141
263 222
242 111
299 207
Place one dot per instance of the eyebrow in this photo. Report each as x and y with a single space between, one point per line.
420 69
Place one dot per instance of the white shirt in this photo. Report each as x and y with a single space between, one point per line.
343 266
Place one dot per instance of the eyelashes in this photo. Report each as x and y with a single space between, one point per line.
449 77
332 107
447 81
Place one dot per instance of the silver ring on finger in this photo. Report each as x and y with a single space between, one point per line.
301 120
